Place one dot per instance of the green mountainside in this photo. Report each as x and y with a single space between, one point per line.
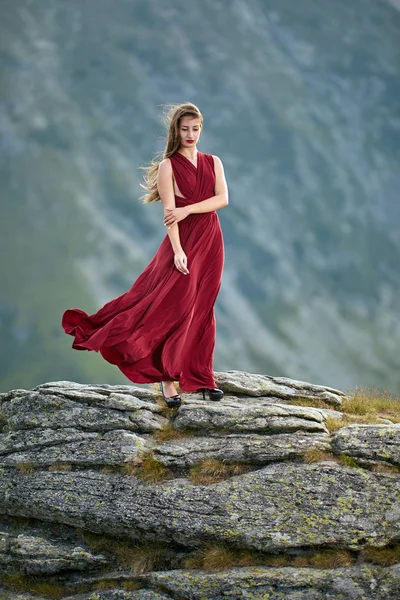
300 101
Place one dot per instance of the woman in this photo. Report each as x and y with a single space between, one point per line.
163 328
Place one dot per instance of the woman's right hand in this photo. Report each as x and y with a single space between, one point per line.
180 260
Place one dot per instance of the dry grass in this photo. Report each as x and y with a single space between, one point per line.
390 555
105 584
359 406
330 559
139 558
130 585
315 455
384 468
110 469
97 543
59 466
146 467
142 558
314 402
169 432
26 467
220 557
372 401
349 461
35 585
212 470
333 424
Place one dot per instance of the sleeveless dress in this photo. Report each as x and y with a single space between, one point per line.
163 328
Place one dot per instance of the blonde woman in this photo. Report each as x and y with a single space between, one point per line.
163 328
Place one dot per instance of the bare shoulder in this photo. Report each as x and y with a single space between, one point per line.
217 160
218 166
165 165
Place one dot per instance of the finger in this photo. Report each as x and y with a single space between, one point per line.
181 268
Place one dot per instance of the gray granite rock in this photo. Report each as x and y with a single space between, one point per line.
56 438
284 583
46 447
234 416
255 384
52 408
40 554
248 448
283 505
369 444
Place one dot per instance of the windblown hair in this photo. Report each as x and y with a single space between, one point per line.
172 118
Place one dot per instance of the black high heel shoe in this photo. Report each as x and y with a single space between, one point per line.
171 401
214 394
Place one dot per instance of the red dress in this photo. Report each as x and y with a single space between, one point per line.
163 328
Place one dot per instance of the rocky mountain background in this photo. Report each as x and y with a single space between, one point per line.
282 490
301 102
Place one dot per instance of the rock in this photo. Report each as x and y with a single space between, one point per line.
253 417
103 389
281 506
116 594
33 554
120 594
247 448
254 384
56 438
46 447
369 444
287 583
49 408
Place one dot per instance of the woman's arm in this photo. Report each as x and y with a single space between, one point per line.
221 192
166 191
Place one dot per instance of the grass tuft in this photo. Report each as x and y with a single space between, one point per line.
372 401
390 555
384 468
26 467
110 469
139 558
35 585
130 585
59 466
146 467
169 432
348 460
330 559
362 406
212 470
142 558
314 402
315 455
219 557
333 424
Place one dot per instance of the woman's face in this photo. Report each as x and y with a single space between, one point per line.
189 130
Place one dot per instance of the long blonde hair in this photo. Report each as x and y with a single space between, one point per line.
173 114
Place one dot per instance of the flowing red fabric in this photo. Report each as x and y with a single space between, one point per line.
163 328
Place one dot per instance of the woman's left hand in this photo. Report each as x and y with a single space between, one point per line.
174 215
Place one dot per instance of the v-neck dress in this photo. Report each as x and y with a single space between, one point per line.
163 328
